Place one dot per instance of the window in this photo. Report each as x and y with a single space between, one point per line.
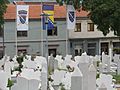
92 49
78 27
52 32
24 51
116 47
90 26
21 33
1 32
2 51
1 54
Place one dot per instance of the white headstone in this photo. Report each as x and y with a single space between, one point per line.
116 58
118 67
102 87
83 66
51 63
22 83
106 80
106 62
92 78
3 80
55 64
29 64
58 76
44 79
7 69
66 81
34 84
76 80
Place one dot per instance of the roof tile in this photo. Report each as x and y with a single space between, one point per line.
35 11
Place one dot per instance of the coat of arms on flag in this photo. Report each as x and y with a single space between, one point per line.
71 17
22 17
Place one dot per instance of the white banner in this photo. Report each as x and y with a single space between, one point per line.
22 17
71 17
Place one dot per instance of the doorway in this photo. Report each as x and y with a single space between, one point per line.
104 47
52 51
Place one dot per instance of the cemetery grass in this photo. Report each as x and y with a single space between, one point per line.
117 78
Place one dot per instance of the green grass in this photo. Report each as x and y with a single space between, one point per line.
117 78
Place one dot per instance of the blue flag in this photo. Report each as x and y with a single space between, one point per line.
49 10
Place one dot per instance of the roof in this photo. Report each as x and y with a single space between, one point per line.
35 11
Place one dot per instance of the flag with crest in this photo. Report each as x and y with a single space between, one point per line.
71 17
22 17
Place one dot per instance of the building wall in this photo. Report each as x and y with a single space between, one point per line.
91 42
83 40
33 41
84 31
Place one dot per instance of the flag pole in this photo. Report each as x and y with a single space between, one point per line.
16 30
66 37
41 32
66 41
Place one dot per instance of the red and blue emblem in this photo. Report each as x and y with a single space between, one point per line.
22 16
71 15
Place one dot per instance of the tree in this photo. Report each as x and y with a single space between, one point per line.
3 7
104 13
75 3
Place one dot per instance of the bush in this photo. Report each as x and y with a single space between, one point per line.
10 83
117 78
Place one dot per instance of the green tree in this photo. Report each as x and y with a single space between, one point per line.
75 3
104 13
3 7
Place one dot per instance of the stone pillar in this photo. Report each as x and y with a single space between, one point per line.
92 78
44 79
118 67
76 80
111 51
100 67
83 66
85 47
51 63
55 64
102 87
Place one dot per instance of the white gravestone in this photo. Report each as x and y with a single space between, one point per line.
92 78
3 80
77 80
83 66
44 79
106 80
106 63
22 84
58 76
34 84
51 63
102 87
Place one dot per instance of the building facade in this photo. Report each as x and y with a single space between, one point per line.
85 38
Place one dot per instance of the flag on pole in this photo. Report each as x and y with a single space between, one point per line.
71 17
22 17
48 10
